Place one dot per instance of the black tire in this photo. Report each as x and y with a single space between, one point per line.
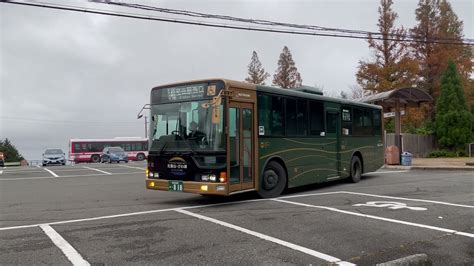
95 158
356 169
44 164
273 181
140 157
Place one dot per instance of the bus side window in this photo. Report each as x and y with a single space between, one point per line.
316 118
331 120
271 115
290 115
302 117
377 122
277 112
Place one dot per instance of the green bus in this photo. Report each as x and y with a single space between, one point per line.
222 137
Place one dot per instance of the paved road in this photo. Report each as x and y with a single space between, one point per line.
102 214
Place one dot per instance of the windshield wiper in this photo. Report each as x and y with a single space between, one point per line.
163 148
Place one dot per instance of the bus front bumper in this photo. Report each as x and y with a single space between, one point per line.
188 186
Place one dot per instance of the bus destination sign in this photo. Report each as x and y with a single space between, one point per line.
186 93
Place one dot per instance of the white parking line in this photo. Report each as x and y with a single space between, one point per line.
74 257
51 172
308 251
379 218
236 202
26 178
97 170
133 167
408 199
68 176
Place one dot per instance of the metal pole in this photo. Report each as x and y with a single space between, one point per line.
146 136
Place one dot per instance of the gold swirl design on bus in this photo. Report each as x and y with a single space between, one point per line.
313 155
316 169
307 143
312 149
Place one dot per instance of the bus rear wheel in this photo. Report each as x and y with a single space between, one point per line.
273 180
356 169
95 158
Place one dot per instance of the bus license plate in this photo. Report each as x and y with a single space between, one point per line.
175 185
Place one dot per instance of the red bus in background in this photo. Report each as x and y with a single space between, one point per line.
90 150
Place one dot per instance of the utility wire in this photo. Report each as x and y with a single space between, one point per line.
262 22
226 26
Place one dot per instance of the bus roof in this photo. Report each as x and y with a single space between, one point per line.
315 96
302 92
112 139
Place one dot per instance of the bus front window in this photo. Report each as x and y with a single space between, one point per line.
194 126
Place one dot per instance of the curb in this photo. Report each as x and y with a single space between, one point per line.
449 168
415 260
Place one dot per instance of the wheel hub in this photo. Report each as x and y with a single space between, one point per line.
270 180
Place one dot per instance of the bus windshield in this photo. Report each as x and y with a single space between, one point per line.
195 127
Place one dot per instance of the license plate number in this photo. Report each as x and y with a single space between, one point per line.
175 185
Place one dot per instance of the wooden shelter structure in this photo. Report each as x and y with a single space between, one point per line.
394 100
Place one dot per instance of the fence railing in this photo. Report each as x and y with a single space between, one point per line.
418 145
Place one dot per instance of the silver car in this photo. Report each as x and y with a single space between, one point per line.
54 156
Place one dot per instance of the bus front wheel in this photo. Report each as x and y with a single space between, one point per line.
356 169
140 157
273 180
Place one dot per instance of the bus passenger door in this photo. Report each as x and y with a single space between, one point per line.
241 161
333 140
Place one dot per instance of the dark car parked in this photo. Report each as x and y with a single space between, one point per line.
54 156
113 154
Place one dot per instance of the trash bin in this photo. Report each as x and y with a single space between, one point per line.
406 158
392 155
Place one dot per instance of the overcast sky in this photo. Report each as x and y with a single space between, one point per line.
73 75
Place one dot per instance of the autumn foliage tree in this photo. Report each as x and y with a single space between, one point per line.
436 20
287 75
392 66
256 72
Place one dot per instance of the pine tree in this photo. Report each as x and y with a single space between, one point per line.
10 151
287 75
392 66
256 72
453 120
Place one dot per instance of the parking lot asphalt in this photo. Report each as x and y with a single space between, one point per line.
102 214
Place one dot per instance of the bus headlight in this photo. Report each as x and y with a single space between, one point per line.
210 177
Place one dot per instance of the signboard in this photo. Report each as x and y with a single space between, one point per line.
392 114
185 93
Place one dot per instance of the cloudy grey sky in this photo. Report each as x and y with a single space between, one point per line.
74 75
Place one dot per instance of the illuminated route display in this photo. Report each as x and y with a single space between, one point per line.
187 92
